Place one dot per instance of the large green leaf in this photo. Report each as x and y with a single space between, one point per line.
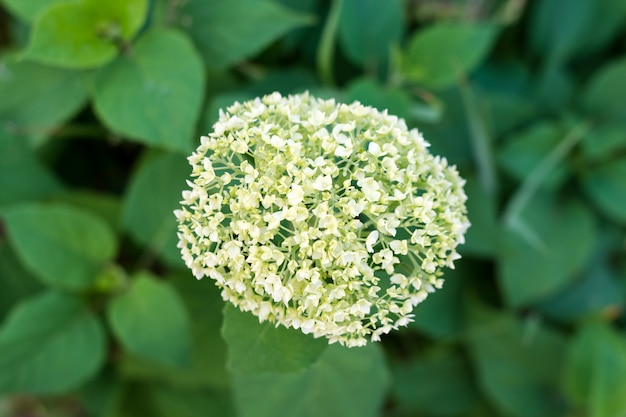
437 383
28 10
548 246
369 28
606 186
603 97
257 348
152 195
17 282
150 320
518 363
23 177
437 56
208 359
370 93
37 99
63 246
86 33
49 344
227 31
154 93
595 369
344 382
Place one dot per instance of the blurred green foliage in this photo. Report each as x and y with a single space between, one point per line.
101 101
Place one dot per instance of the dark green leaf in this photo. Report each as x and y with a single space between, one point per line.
368 92
603 97
17 282
85 33
606 186
49 344
550 245
257 348
150 320
436 383
63 246
604 142
437 56
154 93
227 31
518 363
595 369
483 237
369 28
37 99
523 151
173 401
23 177
344 382
153 193
106 206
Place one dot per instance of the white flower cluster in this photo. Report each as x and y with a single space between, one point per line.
329 218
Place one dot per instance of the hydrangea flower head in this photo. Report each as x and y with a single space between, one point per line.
329 218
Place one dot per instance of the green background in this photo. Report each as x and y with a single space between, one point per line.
101 102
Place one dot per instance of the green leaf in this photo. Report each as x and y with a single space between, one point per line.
369 28
604 142
106 206
561 36
63 246
37 99
440 315
438 382
257 348
603 97
154 93
606 186
150 320
483 237
344 382
173 401
152 195
23 177
594 372
370 93
437 56
49 344
228 31
28 10
530 269
86 33
518 363
208 361
523 151
17 282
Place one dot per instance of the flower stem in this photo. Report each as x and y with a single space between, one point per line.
326 49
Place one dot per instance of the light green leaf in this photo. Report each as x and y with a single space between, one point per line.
531 270
28 10
37 99
257 348
227 31
154 93
151 198
106 206
344 382
150 320
437 56
606 186
63 246
369 28
603 97
23 177
438 382
604 141
517 363
595 369
49 344
86 33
